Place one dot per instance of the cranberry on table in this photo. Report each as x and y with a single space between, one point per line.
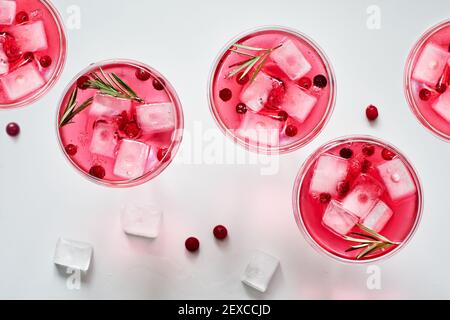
241 108
21 17
291 130
45 61
305 82
12 129
142 74
220 232
346 153
158 84
83 82
71 149
225 94
192 244
387 154
97 171
320 81
371 112
424 94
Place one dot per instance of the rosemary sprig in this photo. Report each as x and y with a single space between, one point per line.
370 241
71 108
255 61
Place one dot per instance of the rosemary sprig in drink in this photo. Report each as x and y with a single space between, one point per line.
71 109
254 61
370 241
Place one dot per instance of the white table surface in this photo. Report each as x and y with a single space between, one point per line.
42 197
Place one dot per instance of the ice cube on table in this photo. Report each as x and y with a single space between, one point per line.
291 60
7 12
22 81
363 196
260 270
4 65
431 64
73 254
328 172
297 103
442 105
378 217
259 129
397 179
155 118
30 37
131 159
104 140
255 94
337 219
104 106
141 220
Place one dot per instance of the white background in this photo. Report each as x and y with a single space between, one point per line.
42 197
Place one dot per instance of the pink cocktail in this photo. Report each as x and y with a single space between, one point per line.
357 199
120 123
272 90
427 79
32 50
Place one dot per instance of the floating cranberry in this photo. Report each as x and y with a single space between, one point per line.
83 82
163 155
343 188
424 94
368 150
11 49
346 153
225 94
371 112
305 82
21 17
158 84
441 88
387 154
142 74
242 79
291 130
220 232
320 81
71 149
283 115
97 171
276 95
12 129
45 61
241 108
324 197
28 56
365 166
131 130
192 244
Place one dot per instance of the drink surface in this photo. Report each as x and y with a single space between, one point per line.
288 101
32 50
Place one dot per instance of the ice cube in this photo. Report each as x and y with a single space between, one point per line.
397 179
155 118
7 12
297 103
337 219
131 159
291 60
4 65
73 254
22 81
105 106
30 37
260 271
329 171
104 140
431 64
442 105
378 217
141 220
256 92
261 130
363 196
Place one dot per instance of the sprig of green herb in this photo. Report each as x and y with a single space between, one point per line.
72 108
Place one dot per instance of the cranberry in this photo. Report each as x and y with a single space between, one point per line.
366 164
346 153
448 48
441 88
158 84
45 61
192 244
225 94
97 171
324 198
424 94
131 129
368 150
12 129
83 82
283 115
320 81
71 149
142 74
291 130
220 232
276 95
11 49
242 79
21 17
305 82
371 112
387 154
163 155
343 188
122 120
28 56
241 108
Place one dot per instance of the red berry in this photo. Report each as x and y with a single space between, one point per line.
131 129
387 154
368 150
346 153
192 244
97 171
162 155
12 129
242 80
276 95
142 74
21 17
448 48
441 88
71 149
283 115
320 81
220 232
371 112
343 188
28 56
158 84
291 130
11 48
424 94
366 164
82 82
324 198
241 108
305 82
45 61
225 94
122 120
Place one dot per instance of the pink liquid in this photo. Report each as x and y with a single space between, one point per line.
79 133
423 105
225 111
310 210
48 60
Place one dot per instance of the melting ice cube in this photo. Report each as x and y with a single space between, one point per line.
256 92
378 217
363 196
104 140
30 37
7 11
131 159
397 179
154 118
73 254
297 103
261 130
291 60
337 219
329 171
260 271
4 65
442 105
431 64
141 220
105 106
22 81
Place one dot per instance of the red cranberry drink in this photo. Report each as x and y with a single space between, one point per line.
32 50
357 199
120 123
427 79
272 90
